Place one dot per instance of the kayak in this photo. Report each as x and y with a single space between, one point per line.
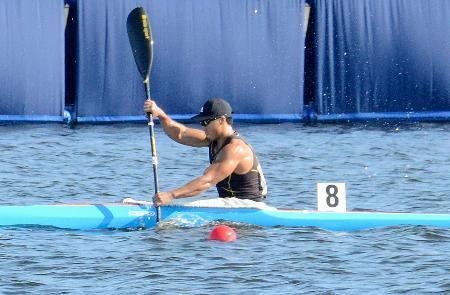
133 216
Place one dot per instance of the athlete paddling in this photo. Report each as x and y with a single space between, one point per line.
234 168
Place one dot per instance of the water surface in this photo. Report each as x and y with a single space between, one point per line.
390 167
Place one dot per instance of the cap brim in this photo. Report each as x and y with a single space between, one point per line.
201 117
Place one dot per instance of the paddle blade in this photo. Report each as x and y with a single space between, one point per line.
141 40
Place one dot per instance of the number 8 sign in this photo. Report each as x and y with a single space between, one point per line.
331 197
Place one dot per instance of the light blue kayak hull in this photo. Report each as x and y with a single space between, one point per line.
123 216
348 221
84 217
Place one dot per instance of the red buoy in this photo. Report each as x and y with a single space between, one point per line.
222 233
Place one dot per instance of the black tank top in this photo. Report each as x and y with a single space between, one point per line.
251 185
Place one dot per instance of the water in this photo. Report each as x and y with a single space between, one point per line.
385 167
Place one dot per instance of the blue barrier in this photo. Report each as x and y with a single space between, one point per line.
366 60
31 60
248 52
387 59
186 118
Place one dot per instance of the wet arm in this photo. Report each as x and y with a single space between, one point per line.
219 170
182 134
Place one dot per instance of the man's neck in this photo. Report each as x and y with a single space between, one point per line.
227 132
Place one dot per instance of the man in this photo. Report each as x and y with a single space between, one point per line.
234 168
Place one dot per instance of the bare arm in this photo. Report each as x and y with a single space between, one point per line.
177 131
225 164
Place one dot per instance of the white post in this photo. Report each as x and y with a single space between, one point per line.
66 14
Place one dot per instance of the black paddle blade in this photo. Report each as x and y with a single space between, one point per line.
141 40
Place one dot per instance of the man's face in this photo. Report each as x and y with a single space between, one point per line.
211 127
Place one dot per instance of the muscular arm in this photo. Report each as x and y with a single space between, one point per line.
182 134
226 163
176 131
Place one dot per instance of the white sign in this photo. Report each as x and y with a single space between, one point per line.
331 197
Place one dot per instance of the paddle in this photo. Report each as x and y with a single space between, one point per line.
141 41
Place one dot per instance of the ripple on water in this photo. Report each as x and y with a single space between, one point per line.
52 164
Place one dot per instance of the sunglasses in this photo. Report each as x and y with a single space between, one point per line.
206 122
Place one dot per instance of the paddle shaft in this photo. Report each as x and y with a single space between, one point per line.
151 130
141 41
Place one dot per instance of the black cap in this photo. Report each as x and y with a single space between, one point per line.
213 108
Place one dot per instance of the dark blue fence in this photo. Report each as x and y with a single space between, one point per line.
31 60
248 52
381 59
365 60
